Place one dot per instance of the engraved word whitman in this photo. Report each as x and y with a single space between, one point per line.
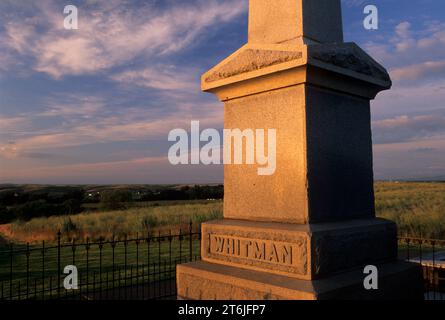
262 250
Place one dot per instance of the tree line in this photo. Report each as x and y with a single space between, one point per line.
19 203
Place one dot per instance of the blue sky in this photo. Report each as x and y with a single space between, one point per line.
95 105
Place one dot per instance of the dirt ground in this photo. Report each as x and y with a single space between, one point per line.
5 231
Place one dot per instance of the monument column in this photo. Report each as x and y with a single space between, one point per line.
308 230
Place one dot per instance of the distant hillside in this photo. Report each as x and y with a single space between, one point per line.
24 202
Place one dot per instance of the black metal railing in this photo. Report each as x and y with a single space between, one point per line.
144 267
430 254
129 268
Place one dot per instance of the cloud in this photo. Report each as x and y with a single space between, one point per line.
8 150
425 150
421 56
71 105
11 124
406 47
421 71
135 170
108 130
161 77
77 121
403 30
415 59
111 33
420 159
408 128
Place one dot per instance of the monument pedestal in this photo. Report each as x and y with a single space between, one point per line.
308 230
209 281
245 260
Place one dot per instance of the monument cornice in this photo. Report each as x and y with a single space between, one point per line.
346 62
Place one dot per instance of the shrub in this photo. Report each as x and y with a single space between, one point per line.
149 222
33 209
6 215
114 199
71 206
69 226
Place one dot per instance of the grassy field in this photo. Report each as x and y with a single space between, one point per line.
101 266
417 208
107 225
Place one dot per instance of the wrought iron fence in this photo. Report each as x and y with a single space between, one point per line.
430 254
144 267
130 268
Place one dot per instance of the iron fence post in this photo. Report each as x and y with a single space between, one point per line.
125 267
59 265
100 267
87 249
27 270
43 270
137 265
11 249
113 248
190 241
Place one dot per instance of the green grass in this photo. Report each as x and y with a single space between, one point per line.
92 207
147 261
144 261
117 224
417 208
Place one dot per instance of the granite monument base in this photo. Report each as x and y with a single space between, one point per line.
208 281
263 260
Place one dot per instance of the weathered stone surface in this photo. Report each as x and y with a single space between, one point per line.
251 60
339 156
281 197
345 60
207 281
348 56
323 172
299 251
352 245
297 21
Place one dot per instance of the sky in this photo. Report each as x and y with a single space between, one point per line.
95 105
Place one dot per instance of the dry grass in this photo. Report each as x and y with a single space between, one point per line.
106 225
417 208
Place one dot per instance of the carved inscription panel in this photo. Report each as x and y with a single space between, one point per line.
284 256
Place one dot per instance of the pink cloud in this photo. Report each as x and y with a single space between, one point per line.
406 48
138 170
428 69
111 34
163 77
422 159
135 125
408 128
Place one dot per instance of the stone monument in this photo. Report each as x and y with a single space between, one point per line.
309 230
